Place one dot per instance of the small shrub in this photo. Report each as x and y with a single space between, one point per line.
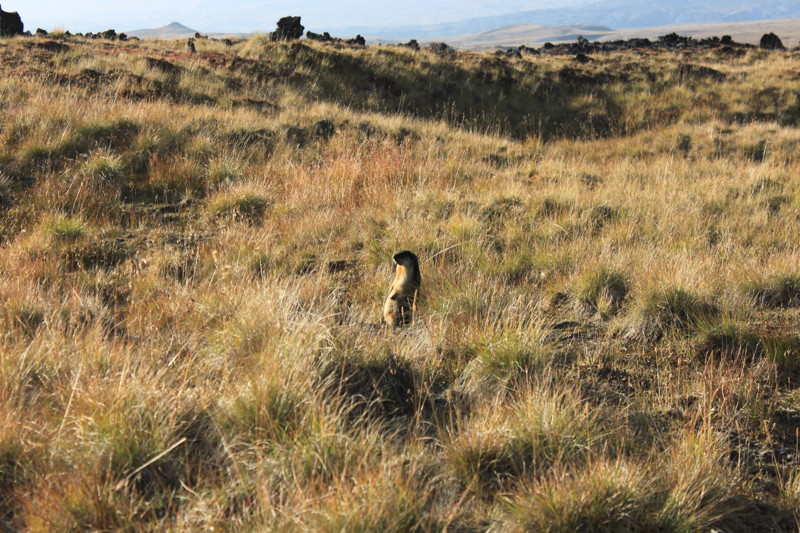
246 206
684 144
103 167
64 228
224 170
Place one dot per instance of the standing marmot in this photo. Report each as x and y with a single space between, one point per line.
399 307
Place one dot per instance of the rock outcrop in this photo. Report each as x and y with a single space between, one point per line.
770 41
671 41
289 29
325 37
10 23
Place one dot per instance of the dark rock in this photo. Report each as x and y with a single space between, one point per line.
358 40
227 42
289 29
323 37
726 40
108 35
40 31
440 49
367 130
582 58
10 23
324 129
198 35
524 50
672 41
770 41
413 44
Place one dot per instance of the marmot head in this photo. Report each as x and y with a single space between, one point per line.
406 259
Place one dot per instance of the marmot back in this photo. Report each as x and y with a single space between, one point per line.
399 307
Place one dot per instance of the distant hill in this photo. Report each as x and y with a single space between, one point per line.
528 35
620 14
512 36
175 30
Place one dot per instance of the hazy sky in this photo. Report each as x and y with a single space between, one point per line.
249 15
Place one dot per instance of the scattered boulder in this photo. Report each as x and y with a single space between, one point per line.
770 41
413 44
671 41
440 49
109 35
10 23
582 58
324 37
289 29
41 32
198 35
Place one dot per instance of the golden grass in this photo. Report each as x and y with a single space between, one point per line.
192 276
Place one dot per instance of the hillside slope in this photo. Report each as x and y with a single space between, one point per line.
195 249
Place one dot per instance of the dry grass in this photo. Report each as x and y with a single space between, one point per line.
193 266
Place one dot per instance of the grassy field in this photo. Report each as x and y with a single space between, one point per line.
196 248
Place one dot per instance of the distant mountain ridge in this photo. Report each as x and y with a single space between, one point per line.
618 14
175 30
534 36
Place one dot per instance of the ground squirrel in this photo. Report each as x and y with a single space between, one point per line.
399 307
